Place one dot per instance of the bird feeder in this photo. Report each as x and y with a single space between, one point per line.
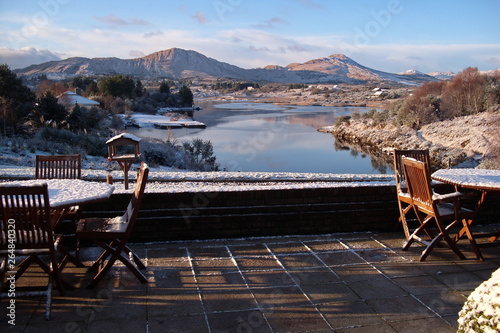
124 149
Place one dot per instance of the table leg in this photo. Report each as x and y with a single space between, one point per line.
466 229
58 215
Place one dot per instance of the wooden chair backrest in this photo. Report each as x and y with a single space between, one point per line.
418 178
25 214
58 167
136 201
417 154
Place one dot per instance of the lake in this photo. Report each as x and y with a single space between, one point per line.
249 136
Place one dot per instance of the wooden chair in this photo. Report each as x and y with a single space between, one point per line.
112 234
404 200
58 167
61 167
444 210
26 230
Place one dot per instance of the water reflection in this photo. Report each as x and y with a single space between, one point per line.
274 138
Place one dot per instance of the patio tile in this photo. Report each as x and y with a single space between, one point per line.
250 250
161 282
300 319
380 255
327 245
339 258
122 326
463 281
214 266
445 303
204 253
421 285
238 321
50 327
399 269
357 272
434 324
381 328
404 308
329 293
280 297
350 314
233 300
376 289
174 305
287 248
267 279
232 281
368 243
315 275
297 261
258 264
175 324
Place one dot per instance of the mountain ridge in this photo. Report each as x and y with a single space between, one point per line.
178 63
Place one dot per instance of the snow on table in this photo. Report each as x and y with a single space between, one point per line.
69 192
473 178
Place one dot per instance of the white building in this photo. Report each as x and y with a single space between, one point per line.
69 99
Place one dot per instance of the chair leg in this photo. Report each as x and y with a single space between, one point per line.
135 258
115 251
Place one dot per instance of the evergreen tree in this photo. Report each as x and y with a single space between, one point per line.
186 96
16 101
48 109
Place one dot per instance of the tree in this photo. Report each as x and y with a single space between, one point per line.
117 86
92 89
200 155
48 109
465 94
16 100
186 96
76 119
164 87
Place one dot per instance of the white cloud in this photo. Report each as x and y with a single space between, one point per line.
24 57
247 48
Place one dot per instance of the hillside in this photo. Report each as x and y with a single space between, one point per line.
467 141
177 63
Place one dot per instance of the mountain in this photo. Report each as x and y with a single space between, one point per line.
177 63
442 75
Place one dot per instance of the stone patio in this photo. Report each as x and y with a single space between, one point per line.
356 282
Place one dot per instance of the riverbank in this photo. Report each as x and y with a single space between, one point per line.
470 141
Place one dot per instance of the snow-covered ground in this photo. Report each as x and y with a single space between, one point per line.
474 139
148 120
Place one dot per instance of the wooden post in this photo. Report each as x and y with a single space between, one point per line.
125 165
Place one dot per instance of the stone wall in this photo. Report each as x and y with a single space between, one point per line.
205 215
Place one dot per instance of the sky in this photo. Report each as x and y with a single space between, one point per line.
387 35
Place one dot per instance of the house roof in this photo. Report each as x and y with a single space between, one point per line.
72 98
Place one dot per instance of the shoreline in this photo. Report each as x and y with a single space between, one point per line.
469 141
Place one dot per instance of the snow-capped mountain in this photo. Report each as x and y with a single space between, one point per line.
177 63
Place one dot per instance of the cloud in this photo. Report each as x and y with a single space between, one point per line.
200 17
20 58
271 23
153 34
113 20
136 54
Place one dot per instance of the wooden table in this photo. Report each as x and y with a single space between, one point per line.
65 193
483 180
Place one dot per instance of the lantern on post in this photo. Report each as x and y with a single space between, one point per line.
124 149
